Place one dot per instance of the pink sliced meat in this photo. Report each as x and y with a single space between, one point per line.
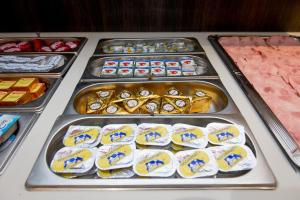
272 66
295 82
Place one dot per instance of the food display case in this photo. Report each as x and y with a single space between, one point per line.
195 101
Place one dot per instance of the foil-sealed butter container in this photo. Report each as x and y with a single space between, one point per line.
196 163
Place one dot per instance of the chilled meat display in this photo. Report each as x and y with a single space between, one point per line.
272 66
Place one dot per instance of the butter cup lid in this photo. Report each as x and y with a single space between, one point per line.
82 136
115 156
154 163
114 134
73 160
226 134
231 158
116 173
189 136
154 134
196 163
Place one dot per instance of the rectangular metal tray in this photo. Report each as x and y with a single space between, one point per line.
222 102
94 67
76 51
271 121
56 72
25 123
106 41
261 177
38 104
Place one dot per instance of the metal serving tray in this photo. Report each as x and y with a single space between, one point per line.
38 104
121 41
58 71
275 126
93 70
41 177
222 103
82 40
24 125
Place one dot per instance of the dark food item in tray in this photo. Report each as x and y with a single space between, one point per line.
38 45
272 66
37 63
17 91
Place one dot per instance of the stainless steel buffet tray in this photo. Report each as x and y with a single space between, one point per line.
221 103
38 104
275 126
93 70
24 125
41 177
103 43
55 72
82 40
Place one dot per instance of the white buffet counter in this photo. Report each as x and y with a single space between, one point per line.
14 177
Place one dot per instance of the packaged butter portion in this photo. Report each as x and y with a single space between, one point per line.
8 125
89 173
25 84
124 94
132 105
105 95
113 108
168 108
94 105
154 163
196 163
200 102
189 136
15 98
143 92
152 106
115 156
82 136
222 133
116 173
154 134
118 134
6 85
173 92
231 158
182 103
73 160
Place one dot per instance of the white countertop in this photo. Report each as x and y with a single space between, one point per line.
13 179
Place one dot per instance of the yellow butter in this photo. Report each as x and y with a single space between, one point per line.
111 158
150 135
192 164
223 134
231 157
188 135
78 137
156 161
115 135
71 161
